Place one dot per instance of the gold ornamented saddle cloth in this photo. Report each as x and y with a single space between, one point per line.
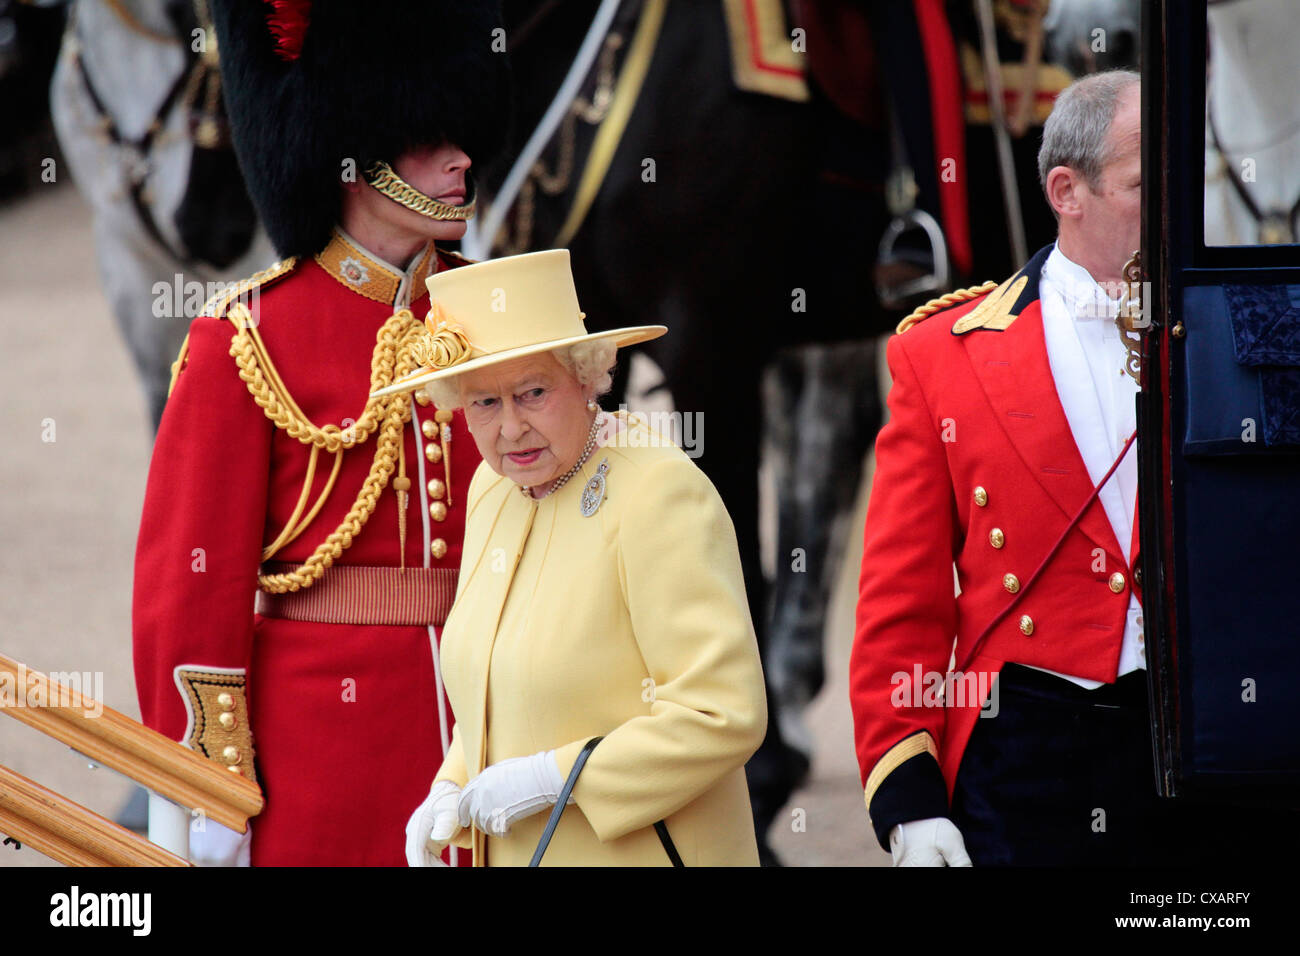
356 594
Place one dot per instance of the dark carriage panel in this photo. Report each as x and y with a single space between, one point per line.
1219 430
1242 376
1238 637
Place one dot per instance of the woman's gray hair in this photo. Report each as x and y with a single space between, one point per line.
1075 132
590 362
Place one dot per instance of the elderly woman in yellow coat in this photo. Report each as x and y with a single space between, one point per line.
600 596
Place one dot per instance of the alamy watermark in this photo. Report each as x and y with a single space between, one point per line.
683 429
24 688
133 911
1131 298
953 689
183 298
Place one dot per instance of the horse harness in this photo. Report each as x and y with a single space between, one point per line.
1276 226
186 87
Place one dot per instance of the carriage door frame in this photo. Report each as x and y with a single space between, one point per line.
1173 476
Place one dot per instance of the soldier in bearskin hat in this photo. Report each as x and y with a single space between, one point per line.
300 542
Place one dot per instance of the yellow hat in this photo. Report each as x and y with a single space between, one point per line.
503 309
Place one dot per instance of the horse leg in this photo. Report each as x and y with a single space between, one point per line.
821 411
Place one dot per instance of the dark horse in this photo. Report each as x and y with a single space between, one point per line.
718 219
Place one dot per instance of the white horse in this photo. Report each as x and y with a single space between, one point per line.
132 56
1252 137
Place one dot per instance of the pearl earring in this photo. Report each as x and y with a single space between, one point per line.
592 406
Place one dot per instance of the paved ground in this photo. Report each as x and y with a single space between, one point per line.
69 509
836 832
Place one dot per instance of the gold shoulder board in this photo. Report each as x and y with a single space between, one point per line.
216 306
995 311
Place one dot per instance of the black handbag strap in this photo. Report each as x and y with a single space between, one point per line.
554 820
661 828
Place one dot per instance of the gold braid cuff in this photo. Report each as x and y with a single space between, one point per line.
944 302
383 178
907 748
393 357
218 711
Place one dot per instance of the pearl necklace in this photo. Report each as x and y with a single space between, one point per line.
596 422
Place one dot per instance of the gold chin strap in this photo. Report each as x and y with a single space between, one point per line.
383 178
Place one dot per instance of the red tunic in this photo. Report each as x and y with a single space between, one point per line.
344 717
978 467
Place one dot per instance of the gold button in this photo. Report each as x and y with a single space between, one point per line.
231 755
1026 625
444 416
432 452
438 547
981 496
1141 638
430 429
1011 583
225 701
437 488
1117 582
227 721
997 538
1137 576
422 397
438 511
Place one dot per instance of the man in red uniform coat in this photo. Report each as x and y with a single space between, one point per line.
1007 410
299 547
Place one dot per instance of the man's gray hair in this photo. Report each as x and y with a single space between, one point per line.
1075 133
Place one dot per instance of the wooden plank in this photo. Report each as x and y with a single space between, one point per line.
115 740
69 833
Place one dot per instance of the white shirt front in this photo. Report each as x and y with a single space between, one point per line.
1088 358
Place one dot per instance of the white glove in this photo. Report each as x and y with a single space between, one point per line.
932 842
509 791
433 825
218 845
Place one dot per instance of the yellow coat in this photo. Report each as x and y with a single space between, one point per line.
632 624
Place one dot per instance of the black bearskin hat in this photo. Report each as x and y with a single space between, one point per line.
310 85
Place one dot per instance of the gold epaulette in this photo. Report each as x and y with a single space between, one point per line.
216 306
944 302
